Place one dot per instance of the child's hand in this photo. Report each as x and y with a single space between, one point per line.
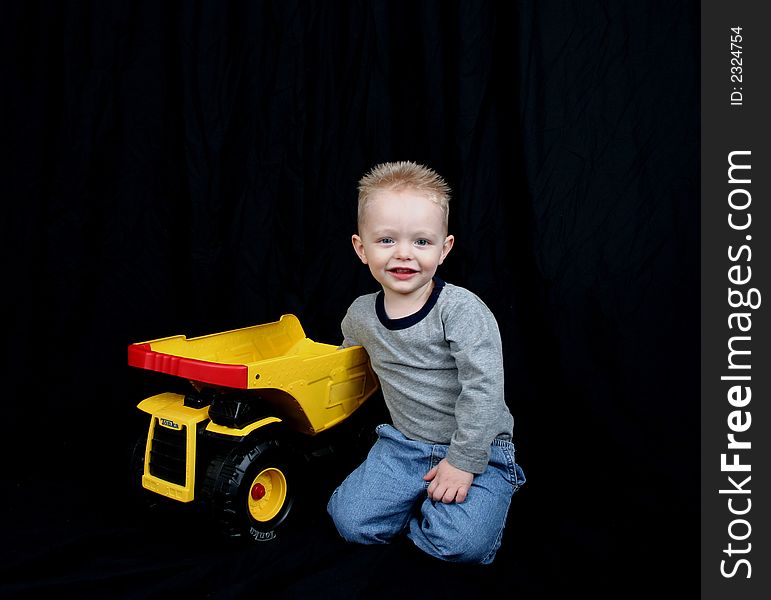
448 483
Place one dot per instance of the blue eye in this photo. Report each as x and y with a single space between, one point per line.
422 242
386 240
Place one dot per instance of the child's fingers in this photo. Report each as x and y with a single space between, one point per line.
447 494
437 493
431 474
454 494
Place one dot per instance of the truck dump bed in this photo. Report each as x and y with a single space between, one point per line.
327 383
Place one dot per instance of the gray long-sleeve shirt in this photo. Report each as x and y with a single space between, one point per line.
440 369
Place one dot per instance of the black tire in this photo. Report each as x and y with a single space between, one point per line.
251 490
137 460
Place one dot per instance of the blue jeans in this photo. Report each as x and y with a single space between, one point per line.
386 495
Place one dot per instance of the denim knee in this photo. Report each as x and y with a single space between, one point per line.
345 523
356 527
341 519
374 503
437 534
466 550
471 531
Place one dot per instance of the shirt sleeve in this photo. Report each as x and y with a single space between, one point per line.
481 413
347 328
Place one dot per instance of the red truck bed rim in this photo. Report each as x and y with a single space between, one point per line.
143 357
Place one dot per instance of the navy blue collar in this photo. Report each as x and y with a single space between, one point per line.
409 320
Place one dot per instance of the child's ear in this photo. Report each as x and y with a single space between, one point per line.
358 247
446 247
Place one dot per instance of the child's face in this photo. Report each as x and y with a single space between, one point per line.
403 240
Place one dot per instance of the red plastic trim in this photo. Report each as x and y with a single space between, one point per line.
143 357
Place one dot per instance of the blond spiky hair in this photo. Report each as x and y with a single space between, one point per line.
398 176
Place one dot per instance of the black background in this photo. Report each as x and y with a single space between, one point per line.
190 167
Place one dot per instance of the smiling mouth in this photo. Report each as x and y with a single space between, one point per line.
402 271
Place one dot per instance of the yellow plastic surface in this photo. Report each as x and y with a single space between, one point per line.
311 386
168 411
239 346
274 489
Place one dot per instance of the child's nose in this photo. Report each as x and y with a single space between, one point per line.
404 250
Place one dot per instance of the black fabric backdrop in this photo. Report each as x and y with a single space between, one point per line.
190 167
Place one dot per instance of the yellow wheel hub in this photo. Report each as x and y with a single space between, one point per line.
267 494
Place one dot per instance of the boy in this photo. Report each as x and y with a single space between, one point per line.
444 472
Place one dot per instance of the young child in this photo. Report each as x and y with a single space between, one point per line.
444 472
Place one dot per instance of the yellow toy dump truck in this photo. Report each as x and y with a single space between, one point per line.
260 401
